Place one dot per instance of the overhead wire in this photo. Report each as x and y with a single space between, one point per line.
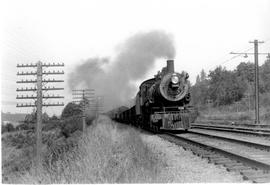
238 55
231 58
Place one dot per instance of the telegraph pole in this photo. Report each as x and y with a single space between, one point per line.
256 69
97 107
39 114
39 88
257 116
83 96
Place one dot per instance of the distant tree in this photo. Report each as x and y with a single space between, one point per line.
203 75
54 117
199 91
8 128
245 72
198 80
45 117
265 77
32 118
224 86
71 109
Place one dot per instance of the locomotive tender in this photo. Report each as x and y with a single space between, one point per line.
162 103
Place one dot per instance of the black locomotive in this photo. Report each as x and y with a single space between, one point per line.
162 103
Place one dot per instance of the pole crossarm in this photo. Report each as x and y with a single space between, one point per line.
81 98
25 105
53 104
242 53
80 94
27 73
26 97
50 80
44 104
53 96
53 65
35 97
35 81
35 89
27 81
26 65
80 101
53 72
256 41
82 90
44 73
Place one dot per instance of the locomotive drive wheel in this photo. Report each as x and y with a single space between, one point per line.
157 129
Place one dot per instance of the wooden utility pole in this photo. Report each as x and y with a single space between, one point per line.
256 69
256 61
39 88
82 96
97 107
39 115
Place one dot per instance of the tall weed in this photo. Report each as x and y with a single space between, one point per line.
105 154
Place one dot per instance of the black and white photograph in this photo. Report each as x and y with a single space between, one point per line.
135 91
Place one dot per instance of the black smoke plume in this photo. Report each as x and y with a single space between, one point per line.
113 78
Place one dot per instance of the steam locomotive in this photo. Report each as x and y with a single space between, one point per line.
162 103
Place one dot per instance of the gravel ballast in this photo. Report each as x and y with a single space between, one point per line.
184 167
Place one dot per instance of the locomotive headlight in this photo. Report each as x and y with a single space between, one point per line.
174 79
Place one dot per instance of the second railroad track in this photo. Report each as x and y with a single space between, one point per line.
250 158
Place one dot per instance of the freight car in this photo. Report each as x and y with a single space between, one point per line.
162 102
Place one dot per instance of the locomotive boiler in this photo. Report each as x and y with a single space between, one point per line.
162 102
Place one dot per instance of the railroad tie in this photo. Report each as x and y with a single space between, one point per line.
210 155
238 168
230 163
217 157
255 173
234 164
223 162
261 179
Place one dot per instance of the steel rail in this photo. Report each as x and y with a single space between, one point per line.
245 160
249 143
232 129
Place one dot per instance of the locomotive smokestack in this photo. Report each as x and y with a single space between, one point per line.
170 66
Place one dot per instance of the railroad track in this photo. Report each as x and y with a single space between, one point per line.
250 159
234 137
258 131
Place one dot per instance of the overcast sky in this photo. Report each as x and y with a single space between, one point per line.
204 33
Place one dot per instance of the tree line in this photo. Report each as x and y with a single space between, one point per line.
223 87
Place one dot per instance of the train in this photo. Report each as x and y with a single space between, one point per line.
162 103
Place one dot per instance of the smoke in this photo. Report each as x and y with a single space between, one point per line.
113 78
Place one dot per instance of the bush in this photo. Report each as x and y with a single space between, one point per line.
105 154
7 128
72 124
26 126
18 152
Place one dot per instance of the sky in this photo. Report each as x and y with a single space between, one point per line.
204 34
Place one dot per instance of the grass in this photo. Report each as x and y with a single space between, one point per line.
230 114
105 154
241 111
